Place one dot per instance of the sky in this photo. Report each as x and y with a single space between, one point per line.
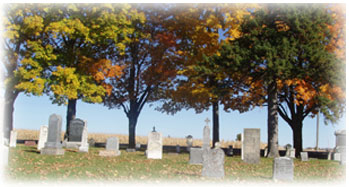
31 112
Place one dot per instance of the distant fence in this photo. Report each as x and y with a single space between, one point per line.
183 149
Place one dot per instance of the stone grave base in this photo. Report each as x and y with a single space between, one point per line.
83 149
130 150
72 145
109 153
52 151
29 143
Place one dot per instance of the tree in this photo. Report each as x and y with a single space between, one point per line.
71 55
200 82
21 24
284 51
147 64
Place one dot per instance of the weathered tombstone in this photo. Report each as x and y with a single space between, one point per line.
304 156
250 146
53 145
337 156
42 137
91 142
195 156
266 151
283 168
189 139
341 146
290 152
213 163
138 146
230 151
84 143
111 147
206 135
178 149
13 139
154 145
130 150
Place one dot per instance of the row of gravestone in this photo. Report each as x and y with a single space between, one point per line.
212 160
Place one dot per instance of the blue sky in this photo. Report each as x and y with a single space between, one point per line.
31 112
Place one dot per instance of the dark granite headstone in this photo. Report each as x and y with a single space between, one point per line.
75 130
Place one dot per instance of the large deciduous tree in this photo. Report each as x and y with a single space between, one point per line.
284 49
21 24
200 84
70 55
147 64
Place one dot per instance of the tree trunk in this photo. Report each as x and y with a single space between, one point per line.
215 116
132 122
71 113
297 126
10 98
273 144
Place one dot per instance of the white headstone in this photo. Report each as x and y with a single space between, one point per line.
42 137
84 140
13 139
154 146
213 163
283 168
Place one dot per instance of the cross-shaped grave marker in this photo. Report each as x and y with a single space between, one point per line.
207 121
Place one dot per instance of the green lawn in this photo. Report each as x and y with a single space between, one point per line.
26 163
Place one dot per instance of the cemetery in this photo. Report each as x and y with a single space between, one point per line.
288 60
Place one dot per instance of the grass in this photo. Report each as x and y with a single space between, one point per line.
27 164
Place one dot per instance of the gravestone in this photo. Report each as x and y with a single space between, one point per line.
266 151
84 140
53 144
213 163
130 150
195 156
206 135
230 151
154 145
290 152
42 137
304 156
189 141
111 147
138 146
283 168
75 130
250 152
29 143
13 139
91 142
341 146
337 156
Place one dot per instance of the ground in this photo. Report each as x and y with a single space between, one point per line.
27 164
